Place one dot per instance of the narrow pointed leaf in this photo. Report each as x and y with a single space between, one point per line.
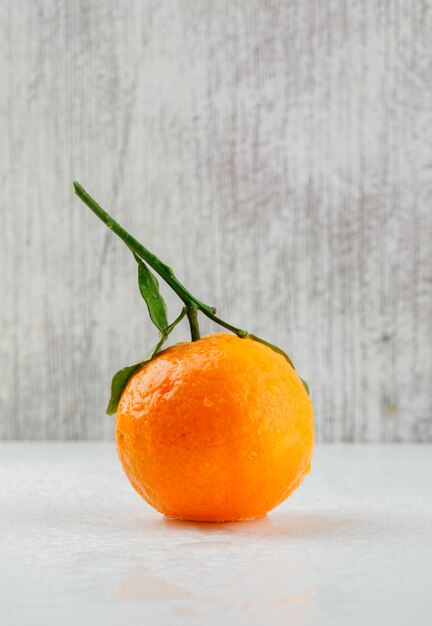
149 289
121 378
118 383
306 386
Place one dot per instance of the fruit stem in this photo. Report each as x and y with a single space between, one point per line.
193 323
192 304
174 323
164 271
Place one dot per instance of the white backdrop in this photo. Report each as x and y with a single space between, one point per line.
277 154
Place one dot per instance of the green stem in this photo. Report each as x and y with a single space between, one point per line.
193 323
192 304
161 268
175 322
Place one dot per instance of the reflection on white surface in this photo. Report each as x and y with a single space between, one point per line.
136 586
220 576
78 546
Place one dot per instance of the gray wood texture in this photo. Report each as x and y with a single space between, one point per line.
278 154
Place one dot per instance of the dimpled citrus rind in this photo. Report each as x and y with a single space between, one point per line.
220 429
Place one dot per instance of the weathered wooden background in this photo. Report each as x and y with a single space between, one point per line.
278 154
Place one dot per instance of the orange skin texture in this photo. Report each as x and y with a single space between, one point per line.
220 429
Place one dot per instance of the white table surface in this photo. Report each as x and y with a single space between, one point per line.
78 547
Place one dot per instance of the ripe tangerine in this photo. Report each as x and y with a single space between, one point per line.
220 429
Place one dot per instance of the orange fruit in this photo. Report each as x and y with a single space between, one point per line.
220 429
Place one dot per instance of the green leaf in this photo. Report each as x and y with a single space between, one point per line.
118 383
149 289
121 378
306 386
